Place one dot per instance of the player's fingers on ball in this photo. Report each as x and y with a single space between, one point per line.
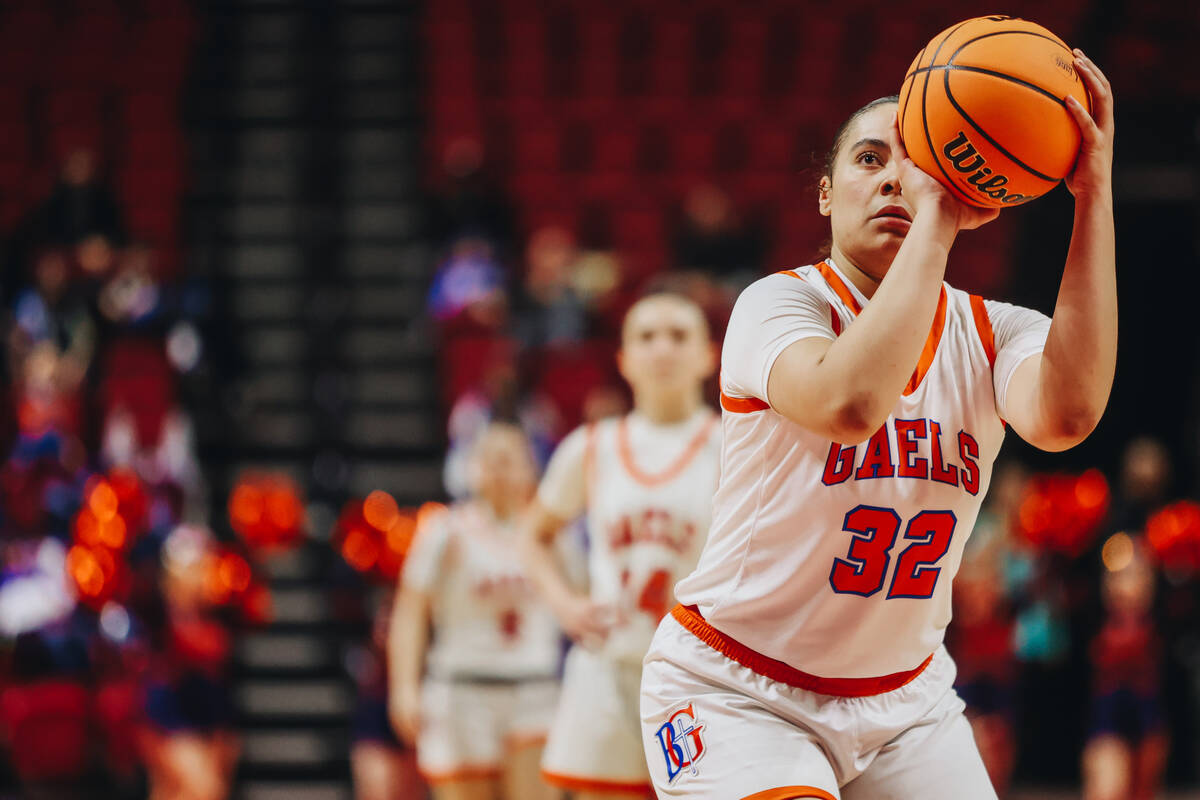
1088 128
1095 68
897 143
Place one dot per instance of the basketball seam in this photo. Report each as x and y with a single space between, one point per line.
925 119
994 143
908 94
1004 75
1050 39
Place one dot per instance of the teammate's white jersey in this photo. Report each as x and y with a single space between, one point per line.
488 621
648 490
837 560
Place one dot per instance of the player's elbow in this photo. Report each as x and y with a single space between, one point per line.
854 418
1068 429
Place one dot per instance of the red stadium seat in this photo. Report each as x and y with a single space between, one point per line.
616 150
118 714
137 378
538 149
46 724
467 360
74 107
567 374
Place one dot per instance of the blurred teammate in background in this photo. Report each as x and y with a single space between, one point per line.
645 482
479 715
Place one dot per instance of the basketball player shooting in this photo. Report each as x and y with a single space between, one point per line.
806 657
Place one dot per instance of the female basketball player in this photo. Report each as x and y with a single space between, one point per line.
645 481
805 659
480 716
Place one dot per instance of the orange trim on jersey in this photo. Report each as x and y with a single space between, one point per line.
580 784
931 345
689 617
742 405
931 341
673 470
983 324
475 773
839 287
791 793
791 272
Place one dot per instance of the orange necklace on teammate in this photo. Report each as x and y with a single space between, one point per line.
673 469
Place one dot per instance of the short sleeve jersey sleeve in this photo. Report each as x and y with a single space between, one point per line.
1018 333
563 490
769 316
423 564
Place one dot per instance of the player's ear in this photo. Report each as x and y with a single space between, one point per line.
621 364
823 203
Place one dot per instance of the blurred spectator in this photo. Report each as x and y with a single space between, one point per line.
466 204
53 312
468 293
712 239
981 636
81 204
190 742
1145 481
1127 744
551 311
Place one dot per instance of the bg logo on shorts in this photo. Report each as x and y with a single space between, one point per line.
679 738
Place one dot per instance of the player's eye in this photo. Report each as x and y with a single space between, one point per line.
678 335
869 157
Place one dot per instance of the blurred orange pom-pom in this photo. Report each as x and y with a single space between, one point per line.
1173 534
1063 513
267 510
373 534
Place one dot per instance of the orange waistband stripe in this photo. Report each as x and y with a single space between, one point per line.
466 773
791 793
581 784
742 405
689 617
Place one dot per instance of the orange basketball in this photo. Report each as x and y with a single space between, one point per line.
983 110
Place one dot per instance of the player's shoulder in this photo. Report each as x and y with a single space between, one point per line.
780 287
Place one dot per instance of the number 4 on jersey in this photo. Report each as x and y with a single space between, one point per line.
875 529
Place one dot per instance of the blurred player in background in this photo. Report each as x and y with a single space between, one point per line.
384 768
645 482
806 659
480 714
1126 753
191 744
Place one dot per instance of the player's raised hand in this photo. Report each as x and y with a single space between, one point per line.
1092 174
924 192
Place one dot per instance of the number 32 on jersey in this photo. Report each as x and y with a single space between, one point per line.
865 567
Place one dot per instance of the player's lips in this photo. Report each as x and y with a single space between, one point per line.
893 212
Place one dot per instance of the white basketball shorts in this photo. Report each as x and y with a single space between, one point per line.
713 728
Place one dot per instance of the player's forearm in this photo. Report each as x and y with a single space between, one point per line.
1080 356
543 569
872 361
408 639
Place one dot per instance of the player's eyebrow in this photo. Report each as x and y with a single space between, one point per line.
880 143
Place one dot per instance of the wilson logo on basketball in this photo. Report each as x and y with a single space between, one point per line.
966 159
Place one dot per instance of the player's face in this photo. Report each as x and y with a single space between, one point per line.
863 198
665 345
503 465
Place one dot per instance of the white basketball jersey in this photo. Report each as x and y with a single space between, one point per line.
488 621
838 559
647 489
